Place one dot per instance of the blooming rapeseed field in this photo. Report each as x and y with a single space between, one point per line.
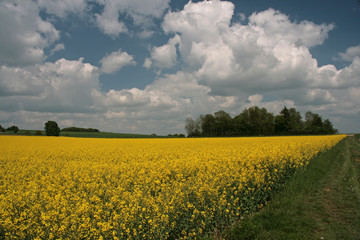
73 188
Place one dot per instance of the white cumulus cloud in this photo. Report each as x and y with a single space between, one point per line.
267 54
142 13
225 64
61 8
115 61
165 56
23 34
350 53
58 47
63 86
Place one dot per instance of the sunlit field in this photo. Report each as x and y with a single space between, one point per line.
74 188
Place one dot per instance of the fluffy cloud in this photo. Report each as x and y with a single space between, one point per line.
165 56
58 47
115 61
23 34
349 76
160 107
141 12
281 29
269 53
164 105
63 7
319 97
147 63
63 86
198 27
109 24
226 65
172 93
350 53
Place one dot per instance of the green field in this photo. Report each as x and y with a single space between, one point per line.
322 202
84 134
105 135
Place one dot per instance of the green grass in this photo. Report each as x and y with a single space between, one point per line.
84 134
321 202
22 132
105 135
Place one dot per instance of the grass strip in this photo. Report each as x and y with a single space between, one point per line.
84 134
321 202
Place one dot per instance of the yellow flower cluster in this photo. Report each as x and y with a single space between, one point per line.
73 188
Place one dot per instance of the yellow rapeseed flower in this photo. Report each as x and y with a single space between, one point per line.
73 188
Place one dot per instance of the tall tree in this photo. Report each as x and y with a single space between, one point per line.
313 123
208 125
280 124
238 123
328 127
192 127
288 122
295 123
256 121
222 123
52 128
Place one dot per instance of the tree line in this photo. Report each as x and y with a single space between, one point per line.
255 121
77 129
51 129
14 129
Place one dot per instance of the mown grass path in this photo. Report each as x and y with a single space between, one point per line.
322 202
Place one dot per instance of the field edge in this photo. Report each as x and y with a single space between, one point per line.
318 203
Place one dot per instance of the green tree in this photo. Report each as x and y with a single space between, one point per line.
2 129
328 127
192 127
15 129
289 121
238 125
295 124
208 125
280 124
222 123
266 121
52 128
255 121
313 123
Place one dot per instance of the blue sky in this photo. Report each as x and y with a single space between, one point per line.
144 66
